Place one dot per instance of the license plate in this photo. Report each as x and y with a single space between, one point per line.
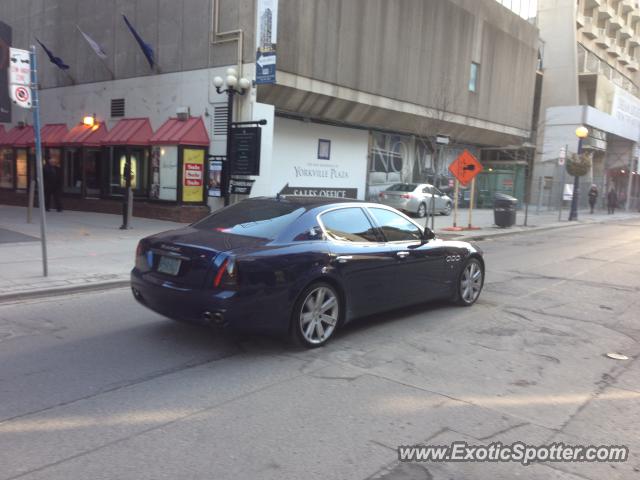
169 265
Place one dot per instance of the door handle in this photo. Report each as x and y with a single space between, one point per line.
403 254
344 258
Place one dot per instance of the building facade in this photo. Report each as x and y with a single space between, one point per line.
362 88
591 75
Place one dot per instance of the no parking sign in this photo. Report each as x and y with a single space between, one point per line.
20 77
21 95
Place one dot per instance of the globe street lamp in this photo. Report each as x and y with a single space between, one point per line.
581 132
233 85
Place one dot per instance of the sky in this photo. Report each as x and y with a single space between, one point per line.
525 8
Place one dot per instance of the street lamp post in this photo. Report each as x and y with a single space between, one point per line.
581 132
233 86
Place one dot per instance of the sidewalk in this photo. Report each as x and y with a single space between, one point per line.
483 219
87 250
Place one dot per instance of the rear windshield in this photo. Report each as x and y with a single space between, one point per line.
402 187
260 219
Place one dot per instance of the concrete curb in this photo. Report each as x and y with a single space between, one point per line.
507 232
64 290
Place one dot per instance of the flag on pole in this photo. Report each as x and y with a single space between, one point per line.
57 61
144 46
93 44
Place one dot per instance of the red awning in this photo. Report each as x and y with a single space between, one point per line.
129 131
83 136
18 137
51 135
182 132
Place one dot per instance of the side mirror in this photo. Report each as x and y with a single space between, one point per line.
428 234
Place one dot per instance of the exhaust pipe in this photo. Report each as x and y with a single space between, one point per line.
212 318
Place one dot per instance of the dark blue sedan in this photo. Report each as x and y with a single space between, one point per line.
301 266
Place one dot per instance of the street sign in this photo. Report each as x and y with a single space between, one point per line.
19 67
563 155
245 151
319 192
21 95
442 140
20 77
567 193
465 167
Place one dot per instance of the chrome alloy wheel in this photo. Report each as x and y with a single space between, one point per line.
471 282
422 211
319 315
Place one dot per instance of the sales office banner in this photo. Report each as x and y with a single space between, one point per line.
192 175
266 40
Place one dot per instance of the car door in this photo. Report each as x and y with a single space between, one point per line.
427 193
441 201
419 272
361 258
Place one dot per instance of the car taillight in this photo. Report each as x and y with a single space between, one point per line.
405 195
227 274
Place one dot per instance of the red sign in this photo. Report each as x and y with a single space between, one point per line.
465 167
193 174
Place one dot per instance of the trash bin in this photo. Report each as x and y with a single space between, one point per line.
504 210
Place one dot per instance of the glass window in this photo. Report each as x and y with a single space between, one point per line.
139 168
164 173
6 168
92 171
72 170
427 190
473 77
252 218
402 187
349 225
21 169
395 227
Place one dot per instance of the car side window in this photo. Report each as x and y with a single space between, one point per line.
426 190
395 227
349 225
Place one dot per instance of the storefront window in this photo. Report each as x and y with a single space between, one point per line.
72 170
192 175
164 173
6 168
21 169
139 166
92 171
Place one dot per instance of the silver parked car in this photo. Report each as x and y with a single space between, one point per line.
415 198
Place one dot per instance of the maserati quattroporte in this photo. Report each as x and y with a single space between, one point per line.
300 266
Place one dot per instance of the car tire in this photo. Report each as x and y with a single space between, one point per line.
312 326
469 283
447 210
422 211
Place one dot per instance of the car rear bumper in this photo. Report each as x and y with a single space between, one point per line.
219 308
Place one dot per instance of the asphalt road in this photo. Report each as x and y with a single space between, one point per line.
93 386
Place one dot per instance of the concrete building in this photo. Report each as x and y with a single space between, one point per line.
591 78
362 87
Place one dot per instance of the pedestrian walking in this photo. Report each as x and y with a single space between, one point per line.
612 200
52 185
593 196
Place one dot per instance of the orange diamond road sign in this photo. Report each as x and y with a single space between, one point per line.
465 167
